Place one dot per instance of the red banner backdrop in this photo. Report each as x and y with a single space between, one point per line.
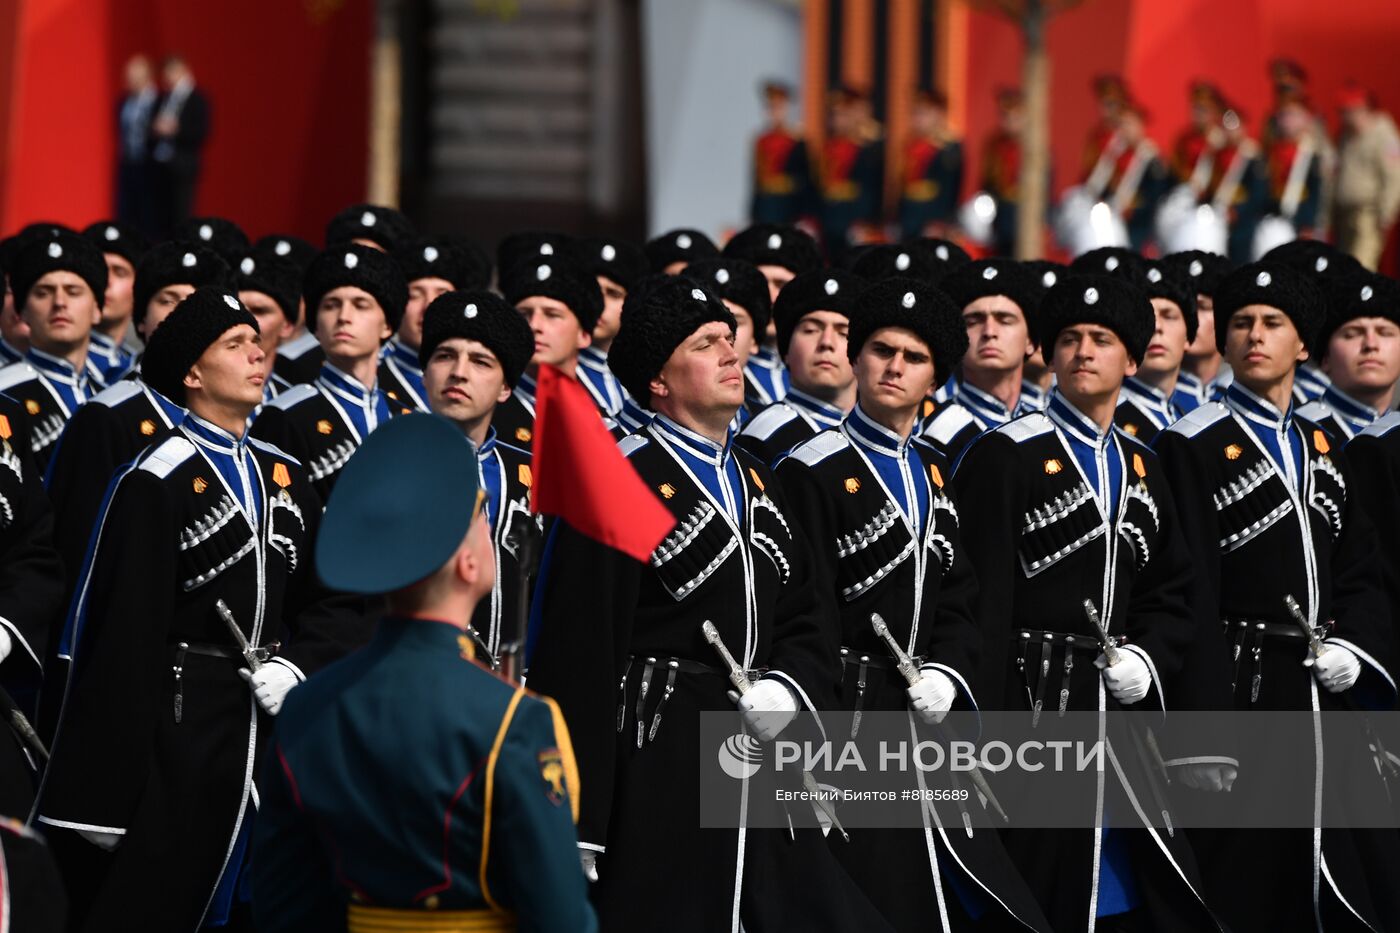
287 80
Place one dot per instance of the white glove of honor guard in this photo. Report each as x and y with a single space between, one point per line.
1208 776
1129 679
7 644
767 708
932 696
589 859
270 685
1337 668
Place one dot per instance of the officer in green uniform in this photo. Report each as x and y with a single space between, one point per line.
410 788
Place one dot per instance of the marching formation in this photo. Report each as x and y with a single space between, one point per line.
253 600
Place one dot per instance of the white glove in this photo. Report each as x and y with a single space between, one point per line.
589 860
767 708
104 841
1129 679
270 685
7 644
1208 776
932 696
1336 668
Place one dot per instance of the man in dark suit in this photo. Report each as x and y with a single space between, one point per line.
178 132
135 111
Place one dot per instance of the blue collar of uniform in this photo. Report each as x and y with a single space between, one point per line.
1149 397
1032 395
106 345
56 367
983 405
1190 382
767 358
9 353
697 445
1257 408
525 387
404 356
867 433
172 411
828 416
1348 407
1075 423
1310 375
594 359
346 386
633 417
487 445
207 434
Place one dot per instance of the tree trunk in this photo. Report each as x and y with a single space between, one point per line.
1035 136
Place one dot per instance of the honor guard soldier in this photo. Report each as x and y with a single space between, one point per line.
221 235
619 267
872 472
1111 96
781 174
411 745
1202 377
1367 198
1239 185
122 249
1130 176
372 225
995 300
813 317
932 170
59 283
1358 348
200 610
475 349
121 421
1293 162
299 359
356 296
1319 262
1151 400
744 292
270 288
1058 508
781 254
636 644
1269 512
671 252
431 267
33 596
561 302
1001 169
1198 146
851 180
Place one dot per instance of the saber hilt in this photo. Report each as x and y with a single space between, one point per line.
1107 642
1315 645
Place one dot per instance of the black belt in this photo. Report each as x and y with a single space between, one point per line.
863 662
1253 632
1044 643
208 651
651 666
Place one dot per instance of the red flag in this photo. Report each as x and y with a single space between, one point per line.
581 476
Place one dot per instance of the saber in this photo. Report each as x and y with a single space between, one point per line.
250 655
23 728
523 538
1107 642
741 683
1315 645
912 676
